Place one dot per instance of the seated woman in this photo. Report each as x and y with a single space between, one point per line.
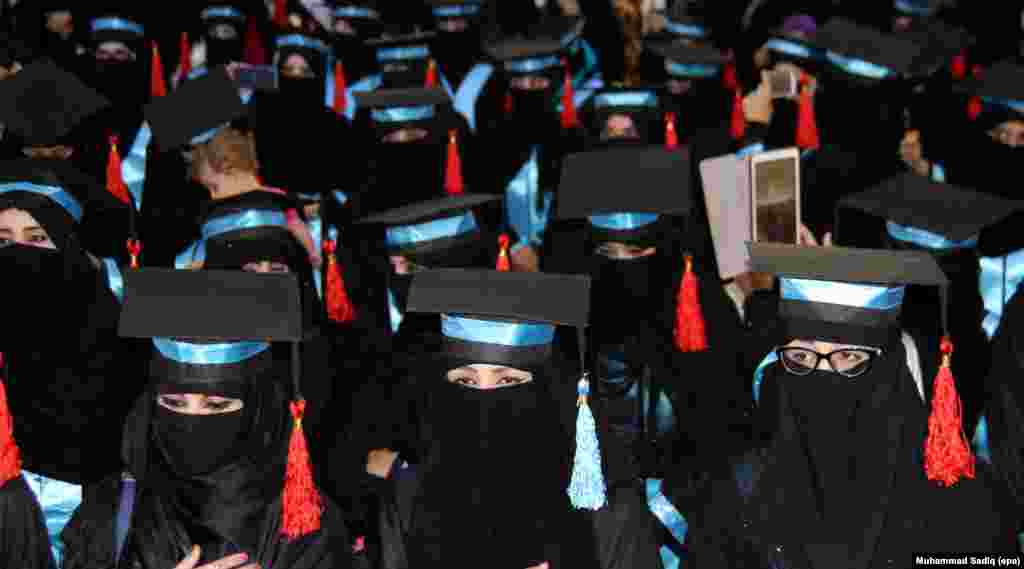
854 471
61 363
494 384
211 441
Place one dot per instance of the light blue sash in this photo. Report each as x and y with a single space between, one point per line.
133 168
521 199
114 278
395 315
669 517
771 358
997 282
980 441
364 85
58 501
469 91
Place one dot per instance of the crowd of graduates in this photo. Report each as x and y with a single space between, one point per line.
272 254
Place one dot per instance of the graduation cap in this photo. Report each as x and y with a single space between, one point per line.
854 296
998 96
916 8
931 215
117 25
455 8
195 111
393 110
641 105
688 62
866 53
356 10
406 60
42 104
243 312
600 186
430 231
509 319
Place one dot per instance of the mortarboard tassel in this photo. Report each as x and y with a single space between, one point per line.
974 107
184 57
947 455
115 182
10 455
587 486
977 72
255 54
508 102
958 67
453 184
340 88
134 247
729 80
157 86
301 504
339 306
503 264
738 122
569 119
690 335
806 122
671 136
281 13
431 80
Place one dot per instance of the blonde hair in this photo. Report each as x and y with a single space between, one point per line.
631 17
230 149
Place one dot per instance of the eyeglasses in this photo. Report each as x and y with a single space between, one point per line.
850 362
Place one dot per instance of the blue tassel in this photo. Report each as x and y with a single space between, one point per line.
586 488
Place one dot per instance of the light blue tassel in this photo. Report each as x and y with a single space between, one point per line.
587 488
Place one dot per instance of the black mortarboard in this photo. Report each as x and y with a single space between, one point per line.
945 210
396 109
42 104
538 51
385 98
676 52
433 231
197 107
849 296
865 52
413 46
229 305
1001 88
533 297
604 182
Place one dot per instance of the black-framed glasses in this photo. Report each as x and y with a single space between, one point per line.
848 362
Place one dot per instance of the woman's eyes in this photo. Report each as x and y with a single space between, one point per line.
510 380
38 238
218 405
173 403
465 381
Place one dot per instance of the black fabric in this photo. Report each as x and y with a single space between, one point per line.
198 444
25 542
234 509
1003 409
842 482
483 502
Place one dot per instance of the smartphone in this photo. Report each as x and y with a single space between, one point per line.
775 196
784 84
726 184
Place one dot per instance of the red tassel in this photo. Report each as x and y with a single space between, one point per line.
738 123
281 14
339 306
508 103
115 183
729 79
671 137
958 67
255 54
569 119
977 72
806 123
453 184
503 264
947 454
134 247
10 455
184 57
340 86
301 504
431 80
690 335
157 86
974 108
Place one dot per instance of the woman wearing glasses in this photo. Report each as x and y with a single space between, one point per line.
865 463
